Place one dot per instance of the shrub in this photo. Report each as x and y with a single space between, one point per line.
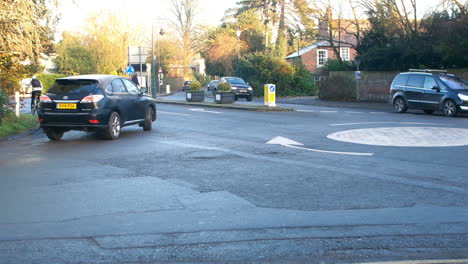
224 87
48 80
290 80
335 65
338 87
195 86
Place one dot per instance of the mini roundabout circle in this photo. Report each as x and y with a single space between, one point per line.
405 136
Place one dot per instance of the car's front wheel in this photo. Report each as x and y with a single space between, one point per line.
399 105
450 108
249 98
113 129
54 133
148 124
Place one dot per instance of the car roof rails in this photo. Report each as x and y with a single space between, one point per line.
428 70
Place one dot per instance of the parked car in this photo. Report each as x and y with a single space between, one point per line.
186 86
213 85
239 87
101 103
429 90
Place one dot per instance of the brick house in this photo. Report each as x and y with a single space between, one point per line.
340 33
316 55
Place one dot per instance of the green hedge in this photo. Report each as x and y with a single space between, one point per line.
340 87
290 79
48 80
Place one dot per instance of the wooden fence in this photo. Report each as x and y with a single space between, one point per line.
373 85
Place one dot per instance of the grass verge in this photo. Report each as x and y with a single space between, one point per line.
13 125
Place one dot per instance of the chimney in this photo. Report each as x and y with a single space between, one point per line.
323 25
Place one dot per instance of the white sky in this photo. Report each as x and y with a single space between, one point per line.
147 12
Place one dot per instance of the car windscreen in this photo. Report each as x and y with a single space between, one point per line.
235 80
454 82
74 86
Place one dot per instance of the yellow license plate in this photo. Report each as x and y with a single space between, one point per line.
66 106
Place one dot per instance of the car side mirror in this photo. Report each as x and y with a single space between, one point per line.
436 88
143 90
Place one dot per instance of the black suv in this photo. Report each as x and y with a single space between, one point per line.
239 87
101 103
429 90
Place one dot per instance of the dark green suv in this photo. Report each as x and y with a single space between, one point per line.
429 90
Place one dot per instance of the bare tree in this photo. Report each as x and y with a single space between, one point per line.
184 12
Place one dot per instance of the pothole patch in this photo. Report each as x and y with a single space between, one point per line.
405 136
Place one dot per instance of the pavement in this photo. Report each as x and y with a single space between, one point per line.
178 97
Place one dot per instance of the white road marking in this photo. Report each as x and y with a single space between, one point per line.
306 111
432 261
328 111
337 169
353 112
405 136
172 113
286 142
402 123
378 112
203 110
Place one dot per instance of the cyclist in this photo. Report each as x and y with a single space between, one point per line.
36 91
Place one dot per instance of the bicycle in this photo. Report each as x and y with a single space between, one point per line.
35 104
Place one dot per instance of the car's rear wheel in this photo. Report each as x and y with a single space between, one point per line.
450 108
429 112
113 129
54 133
148 124
400 105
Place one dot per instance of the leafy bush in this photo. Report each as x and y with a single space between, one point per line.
203 79
48 80
3 105
338 87
335 65
290 80
224 87
195 86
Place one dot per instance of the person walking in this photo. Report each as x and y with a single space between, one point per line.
135 80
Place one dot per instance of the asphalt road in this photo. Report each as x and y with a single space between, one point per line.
333 185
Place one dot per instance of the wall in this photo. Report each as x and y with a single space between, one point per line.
375 86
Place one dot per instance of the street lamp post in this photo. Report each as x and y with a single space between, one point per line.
153 71
161 33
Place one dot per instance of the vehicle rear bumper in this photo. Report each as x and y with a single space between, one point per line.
73 121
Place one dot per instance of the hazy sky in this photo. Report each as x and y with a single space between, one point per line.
140 11
155 12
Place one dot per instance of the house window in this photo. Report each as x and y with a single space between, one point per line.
344 54
322 57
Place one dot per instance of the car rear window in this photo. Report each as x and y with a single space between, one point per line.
401 79
74 86
416 81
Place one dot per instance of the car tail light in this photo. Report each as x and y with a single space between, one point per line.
92 98
94 121
45 99
41 120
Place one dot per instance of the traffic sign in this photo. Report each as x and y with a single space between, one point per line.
130 70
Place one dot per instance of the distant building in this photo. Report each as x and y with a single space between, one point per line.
333 34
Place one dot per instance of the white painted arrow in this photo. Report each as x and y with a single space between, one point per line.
286 142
